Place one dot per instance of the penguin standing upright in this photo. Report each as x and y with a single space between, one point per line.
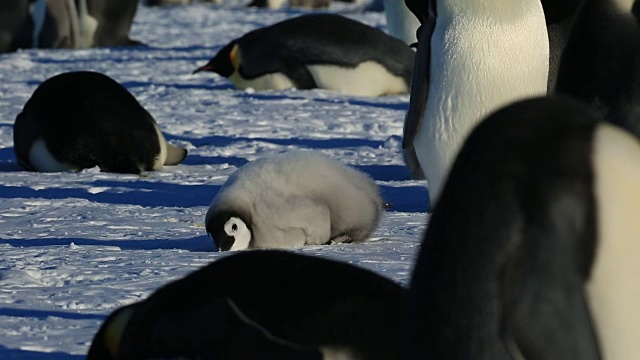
293 199
326 51
601 62
83 119
531 251
473 57
262 305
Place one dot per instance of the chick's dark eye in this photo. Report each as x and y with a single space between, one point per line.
234 227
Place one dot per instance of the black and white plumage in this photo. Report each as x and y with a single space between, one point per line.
473 57
83 119
326 51
532 250
261 305
293 199
601 61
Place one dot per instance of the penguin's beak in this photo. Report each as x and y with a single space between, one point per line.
206 67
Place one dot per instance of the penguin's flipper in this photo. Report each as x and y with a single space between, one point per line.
546 315
298 73
175 154
420 81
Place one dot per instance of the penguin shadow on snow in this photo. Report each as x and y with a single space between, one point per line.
340 98
129 85
7 353
193 244
45 314
141 193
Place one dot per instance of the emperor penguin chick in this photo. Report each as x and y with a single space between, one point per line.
293 199
79 120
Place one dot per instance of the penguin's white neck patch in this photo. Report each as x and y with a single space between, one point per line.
237 229
162 156
613 288
42 160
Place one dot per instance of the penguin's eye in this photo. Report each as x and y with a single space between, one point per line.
234 227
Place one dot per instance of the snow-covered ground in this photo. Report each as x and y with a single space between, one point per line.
75 246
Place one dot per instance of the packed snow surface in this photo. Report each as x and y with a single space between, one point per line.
76 246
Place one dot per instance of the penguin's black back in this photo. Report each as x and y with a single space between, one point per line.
303 300
515 223
87 119
601 63
322 39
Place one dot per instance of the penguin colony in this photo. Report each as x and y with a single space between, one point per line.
531 250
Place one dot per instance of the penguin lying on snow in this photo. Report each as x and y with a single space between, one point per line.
532 250
293 199
325 51
473 57
261 305
83 119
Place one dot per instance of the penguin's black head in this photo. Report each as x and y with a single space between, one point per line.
229 231
223 62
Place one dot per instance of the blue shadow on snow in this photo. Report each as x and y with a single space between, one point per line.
19 354
195 244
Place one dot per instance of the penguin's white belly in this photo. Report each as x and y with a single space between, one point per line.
41 159
613 288
476 68
273 81
367 79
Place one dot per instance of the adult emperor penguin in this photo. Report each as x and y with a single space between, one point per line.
601 62
261 305
325 51
473 57
293 199
83 119
532 250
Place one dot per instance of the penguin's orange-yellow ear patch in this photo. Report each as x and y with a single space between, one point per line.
115 328
233 56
